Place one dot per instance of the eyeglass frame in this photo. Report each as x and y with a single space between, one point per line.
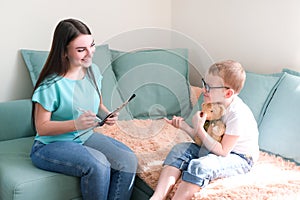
208 88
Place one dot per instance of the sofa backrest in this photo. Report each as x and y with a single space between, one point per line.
15 119
158 77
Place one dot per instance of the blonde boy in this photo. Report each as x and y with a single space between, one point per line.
233 155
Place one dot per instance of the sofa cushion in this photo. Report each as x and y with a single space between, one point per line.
35 61
258 90
20 180
196 107
110 92
290 71
15 119
279 131
158 77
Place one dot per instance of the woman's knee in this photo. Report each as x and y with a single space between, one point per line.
128 162
97 159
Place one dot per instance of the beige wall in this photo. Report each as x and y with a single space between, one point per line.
264 35
29 24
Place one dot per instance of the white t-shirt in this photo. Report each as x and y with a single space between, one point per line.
240 121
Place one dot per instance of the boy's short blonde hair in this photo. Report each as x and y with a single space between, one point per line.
232 73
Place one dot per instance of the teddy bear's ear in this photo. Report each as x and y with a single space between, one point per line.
222 109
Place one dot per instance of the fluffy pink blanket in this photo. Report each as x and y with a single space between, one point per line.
151 140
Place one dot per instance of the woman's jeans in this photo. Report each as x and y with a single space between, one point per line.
105 166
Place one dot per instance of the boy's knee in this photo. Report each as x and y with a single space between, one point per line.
199 166
180 149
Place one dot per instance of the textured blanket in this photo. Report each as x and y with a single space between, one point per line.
271 177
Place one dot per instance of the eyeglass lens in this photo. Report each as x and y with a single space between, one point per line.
205 85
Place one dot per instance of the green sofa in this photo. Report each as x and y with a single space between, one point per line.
160 80
19 179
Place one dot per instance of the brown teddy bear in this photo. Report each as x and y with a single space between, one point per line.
213 124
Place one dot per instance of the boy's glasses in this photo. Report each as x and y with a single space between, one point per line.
208 88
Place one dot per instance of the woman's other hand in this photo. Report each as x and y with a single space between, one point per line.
112 120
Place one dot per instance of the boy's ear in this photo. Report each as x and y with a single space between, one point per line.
229 93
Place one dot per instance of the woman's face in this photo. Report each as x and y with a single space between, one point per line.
81 51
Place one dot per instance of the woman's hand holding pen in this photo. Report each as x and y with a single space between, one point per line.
86 120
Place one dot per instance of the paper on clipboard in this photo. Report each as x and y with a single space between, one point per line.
109 115
116 110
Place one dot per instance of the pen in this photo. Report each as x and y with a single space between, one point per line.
83 111
83 132
101 122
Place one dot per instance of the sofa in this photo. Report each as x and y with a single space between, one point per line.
160 80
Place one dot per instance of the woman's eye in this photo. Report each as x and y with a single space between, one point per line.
80 50
93 44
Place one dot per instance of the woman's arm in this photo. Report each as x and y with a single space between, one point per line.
102 109
45 126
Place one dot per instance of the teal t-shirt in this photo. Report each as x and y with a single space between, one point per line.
64 98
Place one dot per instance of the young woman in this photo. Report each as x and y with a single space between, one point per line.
65 99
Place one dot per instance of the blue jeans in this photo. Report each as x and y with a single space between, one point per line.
199 166
106 167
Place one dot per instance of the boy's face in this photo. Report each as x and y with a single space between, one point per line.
217 89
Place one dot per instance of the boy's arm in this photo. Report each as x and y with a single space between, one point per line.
179 122
222 148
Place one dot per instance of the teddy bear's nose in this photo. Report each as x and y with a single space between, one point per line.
201 114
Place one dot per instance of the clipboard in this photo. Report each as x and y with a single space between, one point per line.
101 123
116 110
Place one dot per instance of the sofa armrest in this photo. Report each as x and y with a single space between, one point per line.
15 119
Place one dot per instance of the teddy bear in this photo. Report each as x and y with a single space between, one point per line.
213 125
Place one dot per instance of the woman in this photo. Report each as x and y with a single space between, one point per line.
65 100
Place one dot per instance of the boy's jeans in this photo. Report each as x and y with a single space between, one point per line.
199 166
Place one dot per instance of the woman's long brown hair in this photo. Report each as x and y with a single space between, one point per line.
57 63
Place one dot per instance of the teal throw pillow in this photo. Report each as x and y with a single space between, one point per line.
110 92
290 71
258 90
279 129
197 107
158 77
34 61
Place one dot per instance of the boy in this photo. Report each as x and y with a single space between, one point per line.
235 153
